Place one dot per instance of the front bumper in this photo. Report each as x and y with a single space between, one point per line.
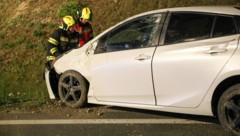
47 80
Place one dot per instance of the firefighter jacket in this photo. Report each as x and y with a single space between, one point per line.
86 32
60 42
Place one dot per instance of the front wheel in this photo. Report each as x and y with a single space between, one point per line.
229 109
72 89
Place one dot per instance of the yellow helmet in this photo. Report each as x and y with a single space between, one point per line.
67 22
86 13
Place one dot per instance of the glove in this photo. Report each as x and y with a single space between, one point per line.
49 65
78 28
81 42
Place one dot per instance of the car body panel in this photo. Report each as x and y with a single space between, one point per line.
184 72
76 59
121 77
203 109
231 69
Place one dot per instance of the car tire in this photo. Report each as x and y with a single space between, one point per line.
229 109
72 89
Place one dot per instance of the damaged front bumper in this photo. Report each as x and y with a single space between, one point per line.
47 77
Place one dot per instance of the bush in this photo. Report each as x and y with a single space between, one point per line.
69 8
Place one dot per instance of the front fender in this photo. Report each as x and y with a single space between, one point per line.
76 60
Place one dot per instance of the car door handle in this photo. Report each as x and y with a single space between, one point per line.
142 57
217 49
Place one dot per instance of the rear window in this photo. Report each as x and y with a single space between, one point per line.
224 26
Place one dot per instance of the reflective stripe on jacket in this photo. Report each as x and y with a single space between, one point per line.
60 42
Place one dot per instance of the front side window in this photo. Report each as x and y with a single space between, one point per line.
224 26
135 34
185 27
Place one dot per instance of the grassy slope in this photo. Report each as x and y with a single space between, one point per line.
26 25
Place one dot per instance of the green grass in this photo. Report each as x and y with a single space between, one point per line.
23 82
39 33
21 75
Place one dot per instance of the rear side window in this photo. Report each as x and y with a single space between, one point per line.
237 8
224 26
185 27
237 19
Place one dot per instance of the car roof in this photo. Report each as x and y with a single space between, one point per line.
231 10
227 10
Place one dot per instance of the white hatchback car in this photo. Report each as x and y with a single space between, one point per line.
183 60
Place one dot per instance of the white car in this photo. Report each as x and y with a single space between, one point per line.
183 60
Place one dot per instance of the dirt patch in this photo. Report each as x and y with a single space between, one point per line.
21 9
57 108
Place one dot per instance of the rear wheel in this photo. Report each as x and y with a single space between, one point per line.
72 89
229 109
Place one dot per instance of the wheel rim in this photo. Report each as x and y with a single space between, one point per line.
232 112
71 90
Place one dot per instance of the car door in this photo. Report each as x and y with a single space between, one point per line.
121 65
195 49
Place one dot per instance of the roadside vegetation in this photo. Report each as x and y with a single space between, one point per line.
24 30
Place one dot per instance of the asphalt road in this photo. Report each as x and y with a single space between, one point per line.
106 121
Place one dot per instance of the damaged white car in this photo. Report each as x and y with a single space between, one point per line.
183 60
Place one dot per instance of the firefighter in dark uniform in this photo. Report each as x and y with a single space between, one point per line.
83 26
63 39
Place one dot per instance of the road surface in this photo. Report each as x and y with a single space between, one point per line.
106 121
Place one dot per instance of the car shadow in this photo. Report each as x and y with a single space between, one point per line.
206 119
155 114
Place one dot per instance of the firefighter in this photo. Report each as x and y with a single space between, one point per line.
83 26
63 39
